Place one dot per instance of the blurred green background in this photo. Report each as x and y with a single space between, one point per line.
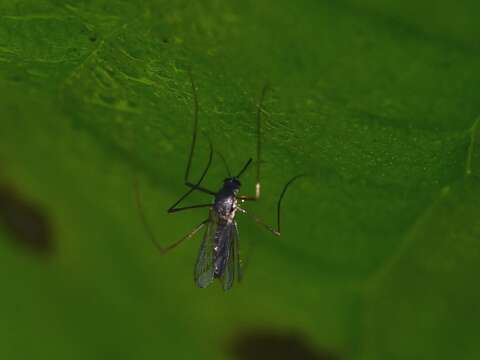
376 100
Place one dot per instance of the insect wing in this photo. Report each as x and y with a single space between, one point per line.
233 266
204 268
236 246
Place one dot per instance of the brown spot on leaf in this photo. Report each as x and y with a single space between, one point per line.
26 222
271 344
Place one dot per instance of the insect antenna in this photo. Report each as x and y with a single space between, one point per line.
245 167
224 162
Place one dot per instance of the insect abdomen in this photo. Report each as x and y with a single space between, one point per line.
221 248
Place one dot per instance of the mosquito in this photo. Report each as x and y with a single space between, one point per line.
218 257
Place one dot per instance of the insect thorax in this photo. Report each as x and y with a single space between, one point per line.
225 205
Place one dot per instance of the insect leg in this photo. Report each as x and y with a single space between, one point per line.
165 249
196 186
195 126
259 147
259 221
200 188
149 229
259 139
189 207
186 180
194 141
173 208
279 205
289 182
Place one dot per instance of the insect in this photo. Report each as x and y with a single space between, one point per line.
218 257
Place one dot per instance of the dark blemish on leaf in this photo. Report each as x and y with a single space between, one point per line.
165 40
107 99
25 221
15 78
92 38
272 344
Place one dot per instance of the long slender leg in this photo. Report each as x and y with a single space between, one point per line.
259 147
247 198
259 139
150 232
192 148
165 249
195 126
192 186
189 207
259 221
279 205
196 186
200 188
258 162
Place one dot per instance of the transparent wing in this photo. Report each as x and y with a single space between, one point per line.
233 265
238 260
204 268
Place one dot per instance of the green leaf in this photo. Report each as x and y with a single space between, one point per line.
425 304
375 100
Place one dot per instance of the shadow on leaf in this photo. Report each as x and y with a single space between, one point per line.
272 344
